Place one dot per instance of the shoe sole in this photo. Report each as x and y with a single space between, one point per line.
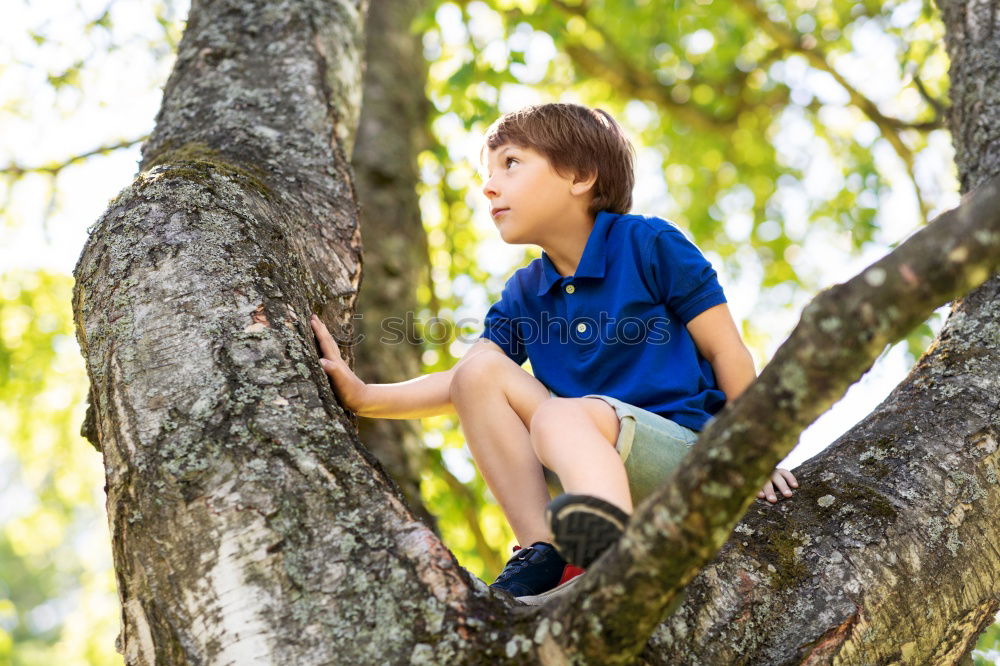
583 527
538 599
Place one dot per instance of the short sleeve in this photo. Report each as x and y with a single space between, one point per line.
500 325
686 281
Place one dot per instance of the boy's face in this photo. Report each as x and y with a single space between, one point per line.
540 204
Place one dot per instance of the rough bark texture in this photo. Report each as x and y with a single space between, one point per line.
391 134
251 526
972 37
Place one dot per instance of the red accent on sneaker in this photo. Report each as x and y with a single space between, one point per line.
569 572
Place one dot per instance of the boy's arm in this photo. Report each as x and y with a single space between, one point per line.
715 334
427 395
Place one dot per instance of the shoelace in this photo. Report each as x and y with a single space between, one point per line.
516 563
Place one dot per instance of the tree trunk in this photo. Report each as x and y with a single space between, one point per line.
392 132
250 525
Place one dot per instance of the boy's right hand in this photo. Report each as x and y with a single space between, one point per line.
348 386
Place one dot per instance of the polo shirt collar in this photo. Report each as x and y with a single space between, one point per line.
592 262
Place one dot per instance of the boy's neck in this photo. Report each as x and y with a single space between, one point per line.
567 250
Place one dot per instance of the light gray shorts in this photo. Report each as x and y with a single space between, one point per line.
650 445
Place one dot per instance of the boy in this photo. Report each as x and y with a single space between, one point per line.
645 352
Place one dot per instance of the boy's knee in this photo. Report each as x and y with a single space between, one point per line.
549 417
547 427
474 371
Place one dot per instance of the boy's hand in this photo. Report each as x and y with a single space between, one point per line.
780 479
349 388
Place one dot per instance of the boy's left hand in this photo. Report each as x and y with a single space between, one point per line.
780 479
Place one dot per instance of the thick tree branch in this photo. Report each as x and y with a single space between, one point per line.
673 534
903 502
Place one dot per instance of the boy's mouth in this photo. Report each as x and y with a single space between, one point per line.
497 211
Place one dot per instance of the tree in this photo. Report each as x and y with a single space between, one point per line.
249 521
396 259
395 245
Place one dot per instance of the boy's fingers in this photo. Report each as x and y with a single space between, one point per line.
769 491
788 477
780 484
326 342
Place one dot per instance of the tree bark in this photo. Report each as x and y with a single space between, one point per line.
250 525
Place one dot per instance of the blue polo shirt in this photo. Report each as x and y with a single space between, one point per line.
617 326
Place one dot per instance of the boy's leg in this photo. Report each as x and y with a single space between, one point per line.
495 400
575 438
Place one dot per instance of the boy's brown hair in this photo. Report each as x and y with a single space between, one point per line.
575 140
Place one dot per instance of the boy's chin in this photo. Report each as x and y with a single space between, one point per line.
508 237
511 237
514 240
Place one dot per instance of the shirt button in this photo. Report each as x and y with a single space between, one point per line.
581 327
570 289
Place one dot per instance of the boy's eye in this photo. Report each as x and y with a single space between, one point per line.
506 162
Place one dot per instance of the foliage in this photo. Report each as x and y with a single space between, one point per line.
57 602
988 647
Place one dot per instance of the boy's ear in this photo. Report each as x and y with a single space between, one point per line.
583 182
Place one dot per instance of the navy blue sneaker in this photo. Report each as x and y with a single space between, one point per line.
534 570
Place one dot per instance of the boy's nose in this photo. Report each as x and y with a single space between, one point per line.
488 189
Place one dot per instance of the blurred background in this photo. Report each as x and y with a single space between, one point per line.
795 142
